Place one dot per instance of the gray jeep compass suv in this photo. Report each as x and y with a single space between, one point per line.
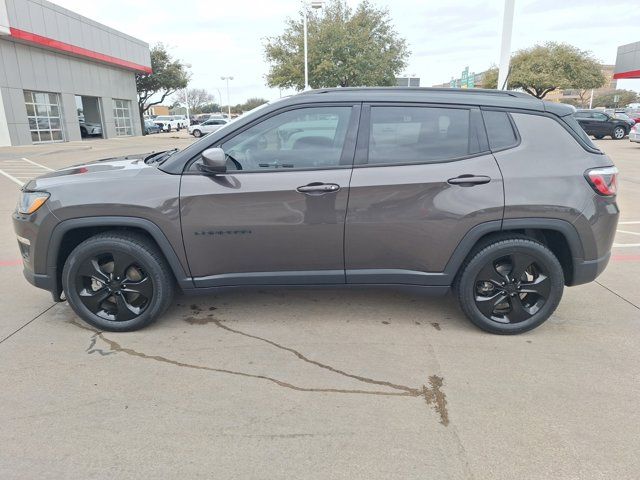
497 195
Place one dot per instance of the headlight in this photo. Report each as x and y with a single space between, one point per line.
29 202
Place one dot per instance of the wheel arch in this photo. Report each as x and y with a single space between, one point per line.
68 234
560 236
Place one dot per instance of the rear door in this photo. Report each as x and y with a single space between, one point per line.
601 123
424 176
277 215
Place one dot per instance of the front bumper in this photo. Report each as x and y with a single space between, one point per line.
33 232
634 137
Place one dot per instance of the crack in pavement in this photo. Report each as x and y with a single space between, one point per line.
432 394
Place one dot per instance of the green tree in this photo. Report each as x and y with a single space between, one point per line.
544 68
167 77
607 100
252 103
490 77
346 47
210 108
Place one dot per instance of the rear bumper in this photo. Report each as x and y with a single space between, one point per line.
634 137
585 271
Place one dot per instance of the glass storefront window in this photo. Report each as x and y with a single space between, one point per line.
122 117
43 113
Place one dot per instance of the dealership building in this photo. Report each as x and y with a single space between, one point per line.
628 61
64 76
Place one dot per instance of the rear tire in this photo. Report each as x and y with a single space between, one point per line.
618 133
510 286
599 137
197 133
117 281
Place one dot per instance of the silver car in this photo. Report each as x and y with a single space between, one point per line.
209 126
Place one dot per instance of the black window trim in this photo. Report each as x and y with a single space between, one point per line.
348 149
513 127
362 144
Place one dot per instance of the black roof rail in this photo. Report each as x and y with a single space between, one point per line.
480 91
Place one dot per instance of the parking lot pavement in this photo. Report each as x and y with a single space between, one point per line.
320 383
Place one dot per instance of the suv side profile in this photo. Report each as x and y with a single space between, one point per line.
497 195
601 124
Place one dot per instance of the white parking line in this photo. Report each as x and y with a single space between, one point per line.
37 164
22 170
630 223
626 245
12 178
628 232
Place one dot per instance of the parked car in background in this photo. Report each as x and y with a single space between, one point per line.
622 115
167 123
634 133
634 114
601 124
494 194
150 127
209 126
183 121
89 129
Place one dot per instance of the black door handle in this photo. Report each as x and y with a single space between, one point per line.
317 188
469 180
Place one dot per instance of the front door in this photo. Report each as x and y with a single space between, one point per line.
423 177
277 215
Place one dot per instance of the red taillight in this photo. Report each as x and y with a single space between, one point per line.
603 180
634 129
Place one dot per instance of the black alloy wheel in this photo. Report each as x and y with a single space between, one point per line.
512 288
510 284
117 281
114 286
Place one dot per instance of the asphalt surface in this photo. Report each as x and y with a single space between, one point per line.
318 384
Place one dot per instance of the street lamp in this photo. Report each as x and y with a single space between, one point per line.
315 5
228 101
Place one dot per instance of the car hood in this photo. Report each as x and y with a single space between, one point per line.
107 169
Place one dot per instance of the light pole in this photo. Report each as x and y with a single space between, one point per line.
315 5
505 47
228 101
186 103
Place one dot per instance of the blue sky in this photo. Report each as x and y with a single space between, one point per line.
225 37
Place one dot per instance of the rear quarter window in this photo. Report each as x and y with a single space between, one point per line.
500 130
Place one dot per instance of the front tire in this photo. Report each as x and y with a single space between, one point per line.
197 133
117 281
510 286
618 133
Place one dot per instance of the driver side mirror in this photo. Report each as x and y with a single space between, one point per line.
214 161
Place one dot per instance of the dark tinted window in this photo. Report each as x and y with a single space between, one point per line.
499 130
582 115
418 134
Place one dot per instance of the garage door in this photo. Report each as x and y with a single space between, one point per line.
43 112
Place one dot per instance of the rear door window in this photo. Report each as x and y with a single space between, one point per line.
419 134
499 130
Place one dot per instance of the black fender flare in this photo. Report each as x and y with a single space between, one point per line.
55 241
496 226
